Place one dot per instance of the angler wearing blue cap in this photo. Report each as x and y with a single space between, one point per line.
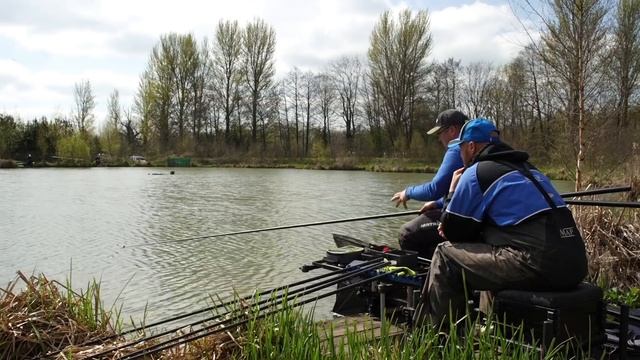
506 228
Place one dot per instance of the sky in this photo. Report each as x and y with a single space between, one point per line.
48 46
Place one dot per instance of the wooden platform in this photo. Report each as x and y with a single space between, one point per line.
361 328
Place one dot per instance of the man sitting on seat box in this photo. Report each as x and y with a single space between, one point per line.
506 228
421 234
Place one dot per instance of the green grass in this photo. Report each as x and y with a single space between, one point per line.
630 297
58 317
291 334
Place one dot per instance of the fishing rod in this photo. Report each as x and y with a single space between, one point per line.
230 302
369 217
370 265
607 190
210 330
316 223
623 204
377 263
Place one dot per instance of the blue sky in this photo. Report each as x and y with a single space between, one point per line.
48 46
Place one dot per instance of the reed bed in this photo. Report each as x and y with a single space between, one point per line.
612 239
45 317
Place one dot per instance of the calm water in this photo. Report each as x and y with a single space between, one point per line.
116 225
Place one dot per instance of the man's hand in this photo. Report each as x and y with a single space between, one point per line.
455 179
429 205
400 198
441 231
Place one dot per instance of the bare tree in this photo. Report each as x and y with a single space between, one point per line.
114 111
85 104
308 92
157 91
347 72
326 99
573 41
477 78
227 50
269 114
110 135
293 91
258 51
200 80
397 56
129 127
626 56
373 113
284 131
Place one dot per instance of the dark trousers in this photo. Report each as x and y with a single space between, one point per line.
421 234
456 269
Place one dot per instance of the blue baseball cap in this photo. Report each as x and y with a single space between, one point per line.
479 130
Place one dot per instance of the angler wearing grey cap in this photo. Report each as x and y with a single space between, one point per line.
506 227
420 234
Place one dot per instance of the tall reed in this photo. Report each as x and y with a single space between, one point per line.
46 317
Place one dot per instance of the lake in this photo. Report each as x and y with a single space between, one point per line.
120 226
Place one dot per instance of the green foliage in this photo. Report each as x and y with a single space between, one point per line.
74 147
320 151
291 334
111 141
629 297
8 131
397 55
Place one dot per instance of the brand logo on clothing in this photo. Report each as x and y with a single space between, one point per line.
566 232
429 224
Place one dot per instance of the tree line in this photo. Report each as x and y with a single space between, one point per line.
570 97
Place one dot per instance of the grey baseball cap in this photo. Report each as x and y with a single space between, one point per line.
448 118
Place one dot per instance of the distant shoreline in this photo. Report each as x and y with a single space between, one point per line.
396 165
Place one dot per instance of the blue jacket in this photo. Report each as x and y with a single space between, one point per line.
491 193
438 187
499 205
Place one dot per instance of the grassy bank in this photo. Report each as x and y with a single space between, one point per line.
372 164
352 163
43 321
401 165
47 320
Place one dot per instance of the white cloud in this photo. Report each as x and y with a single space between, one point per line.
67 43
49 46
477 32
32 93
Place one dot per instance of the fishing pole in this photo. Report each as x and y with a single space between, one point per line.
304 291
227 303
623 204
372 265
369 217
607 190
211 329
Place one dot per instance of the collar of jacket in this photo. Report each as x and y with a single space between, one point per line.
500 152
